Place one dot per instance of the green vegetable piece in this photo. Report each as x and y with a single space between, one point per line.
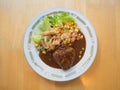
66 17
51 19
69 19
36 38
64 14
83 49
57 19
45 25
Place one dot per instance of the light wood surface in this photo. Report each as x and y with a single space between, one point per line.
16 74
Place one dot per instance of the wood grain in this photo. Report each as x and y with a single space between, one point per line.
16 74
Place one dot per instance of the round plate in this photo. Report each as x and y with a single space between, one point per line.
32 55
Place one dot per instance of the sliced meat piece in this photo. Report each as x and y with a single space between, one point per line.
64 57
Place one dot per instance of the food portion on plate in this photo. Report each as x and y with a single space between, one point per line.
59 40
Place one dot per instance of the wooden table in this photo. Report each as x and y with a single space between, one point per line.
16 74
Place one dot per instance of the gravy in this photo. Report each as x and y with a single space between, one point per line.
78 45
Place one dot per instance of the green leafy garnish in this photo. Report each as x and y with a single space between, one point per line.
66 17
36 37
45 25
83 48
58 19
49 22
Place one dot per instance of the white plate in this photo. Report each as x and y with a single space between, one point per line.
54 74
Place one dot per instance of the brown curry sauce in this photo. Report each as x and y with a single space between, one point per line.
78 45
